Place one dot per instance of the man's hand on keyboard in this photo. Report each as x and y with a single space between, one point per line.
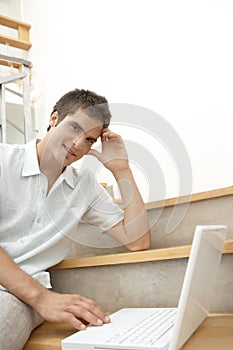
71 308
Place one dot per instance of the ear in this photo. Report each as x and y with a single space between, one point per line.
53 119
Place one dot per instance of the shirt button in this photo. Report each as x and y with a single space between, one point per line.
38 220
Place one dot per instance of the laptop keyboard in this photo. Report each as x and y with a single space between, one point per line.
148 330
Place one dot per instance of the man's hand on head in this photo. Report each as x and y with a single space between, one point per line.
113 156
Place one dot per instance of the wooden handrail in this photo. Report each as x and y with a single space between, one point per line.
23 40
134 257
13 23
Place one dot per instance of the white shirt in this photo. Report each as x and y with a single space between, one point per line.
35 229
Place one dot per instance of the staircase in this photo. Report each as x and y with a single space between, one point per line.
21 72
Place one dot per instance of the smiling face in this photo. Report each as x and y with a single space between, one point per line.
73 137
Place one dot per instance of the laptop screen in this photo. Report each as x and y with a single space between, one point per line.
199 281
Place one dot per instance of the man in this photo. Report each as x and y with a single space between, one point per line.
43 199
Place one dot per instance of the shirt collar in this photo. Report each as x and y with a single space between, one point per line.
68 176
31 165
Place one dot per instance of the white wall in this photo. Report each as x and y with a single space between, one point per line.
173 57
11 8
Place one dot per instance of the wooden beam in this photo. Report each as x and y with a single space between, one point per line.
8 64
13 23
22 41
20 44
19 61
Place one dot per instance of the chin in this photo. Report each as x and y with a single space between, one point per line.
67 162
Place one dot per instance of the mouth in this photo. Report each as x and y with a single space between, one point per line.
69 151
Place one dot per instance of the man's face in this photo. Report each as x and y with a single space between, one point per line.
73 137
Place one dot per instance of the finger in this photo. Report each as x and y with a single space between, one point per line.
74 321
105 130
87 316
93 309
89 305
110 135
83 321
107 133
103 134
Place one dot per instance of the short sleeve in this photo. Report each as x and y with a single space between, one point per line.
102 211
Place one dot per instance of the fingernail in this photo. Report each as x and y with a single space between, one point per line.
106 319
82 327
99 322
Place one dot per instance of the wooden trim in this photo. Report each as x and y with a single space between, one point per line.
23 40
228 247
10 64
20 61
133 257
13 23
196 197
20 44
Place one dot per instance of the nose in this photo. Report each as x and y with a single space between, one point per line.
78 142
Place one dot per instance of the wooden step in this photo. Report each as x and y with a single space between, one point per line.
215 333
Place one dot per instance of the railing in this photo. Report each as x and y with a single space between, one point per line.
23 40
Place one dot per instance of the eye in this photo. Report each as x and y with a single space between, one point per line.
90 141
76 127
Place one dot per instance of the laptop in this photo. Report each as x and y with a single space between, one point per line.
163 328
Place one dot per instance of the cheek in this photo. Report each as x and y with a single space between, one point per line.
86 149
57 137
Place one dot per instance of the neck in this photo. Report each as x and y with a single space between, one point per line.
47 163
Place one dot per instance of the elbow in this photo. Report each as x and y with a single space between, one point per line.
137 247
142 243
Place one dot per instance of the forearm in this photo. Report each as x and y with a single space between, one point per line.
18 282
135 215
133 231
53 307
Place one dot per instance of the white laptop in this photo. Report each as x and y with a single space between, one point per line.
163 328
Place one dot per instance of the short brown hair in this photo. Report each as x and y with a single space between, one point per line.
96 105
